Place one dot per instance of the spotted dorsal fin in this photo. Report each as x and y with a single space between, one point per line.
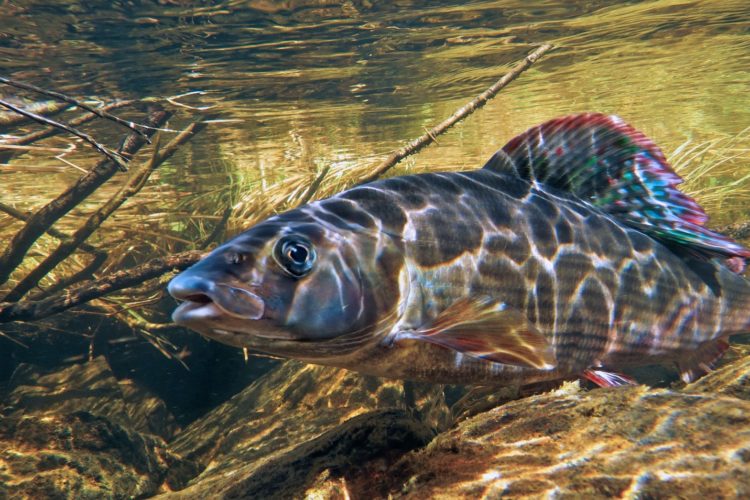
605 161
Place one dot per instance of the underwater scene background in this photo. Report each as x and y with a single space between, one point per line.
111 400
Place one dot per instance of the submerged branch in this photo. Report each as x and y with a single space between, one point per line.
99 256
34 310
476 103
86 273
132 187
113 156
100 112
50 131
17 214
48 108
43 218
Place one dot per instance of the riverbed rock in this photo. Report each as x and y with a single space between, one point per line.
78 432
90 387
305 431
731 379
80 455
276 437
569 443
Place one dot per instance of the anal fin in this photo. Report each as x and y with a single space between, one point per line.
703 360
484 328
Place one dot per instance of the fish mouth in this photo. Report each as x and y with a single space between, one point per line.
191 312
228 313
206 301
213 321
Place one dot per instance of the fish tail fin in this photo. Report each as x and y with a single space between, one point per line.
603 160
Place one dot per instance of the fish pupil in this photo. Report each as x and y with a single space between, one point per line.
297 253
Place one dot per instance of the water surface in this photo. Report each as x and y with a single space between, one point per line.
317 83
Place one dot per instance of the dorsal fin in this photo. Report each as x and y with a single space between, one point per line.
605 161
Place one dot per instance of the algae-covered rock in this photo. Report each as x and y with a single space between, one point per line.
80 455
572 444
340 449
78 432
90 387
732 379
317 432
301 419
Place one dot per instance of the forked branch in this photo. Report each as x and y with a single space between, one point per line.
43 218
132 187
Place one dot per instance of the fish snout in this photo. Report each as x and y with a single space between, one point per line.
190 287
205 299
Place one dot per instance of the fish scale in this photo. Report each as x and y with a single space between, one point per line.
570 253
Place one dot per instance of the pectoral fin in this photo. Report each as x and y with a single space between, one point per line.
605 378
486 329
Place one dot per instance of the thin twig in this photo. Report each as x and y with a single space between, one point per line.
218 228
46 108
315 185
115 157
17 214
43 218
173 101
50 131
134 184
98 112
476 103
30 310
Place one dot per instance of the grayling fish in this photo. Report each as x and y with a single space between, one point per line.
571 253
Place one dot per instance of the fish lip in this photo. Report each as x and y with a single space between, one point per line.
210 303
188 313
210 320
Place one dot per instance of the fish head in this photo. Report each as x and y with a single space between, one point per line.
291 284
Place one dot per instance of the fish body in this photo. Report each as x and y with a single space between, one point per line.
570 253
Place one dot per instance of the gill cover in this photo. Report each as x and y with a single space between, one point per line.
326 296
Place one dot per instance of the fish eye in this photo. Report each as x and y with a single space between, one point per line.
295 255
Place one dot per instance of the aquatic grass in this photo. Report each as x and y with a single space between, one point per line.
714 173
